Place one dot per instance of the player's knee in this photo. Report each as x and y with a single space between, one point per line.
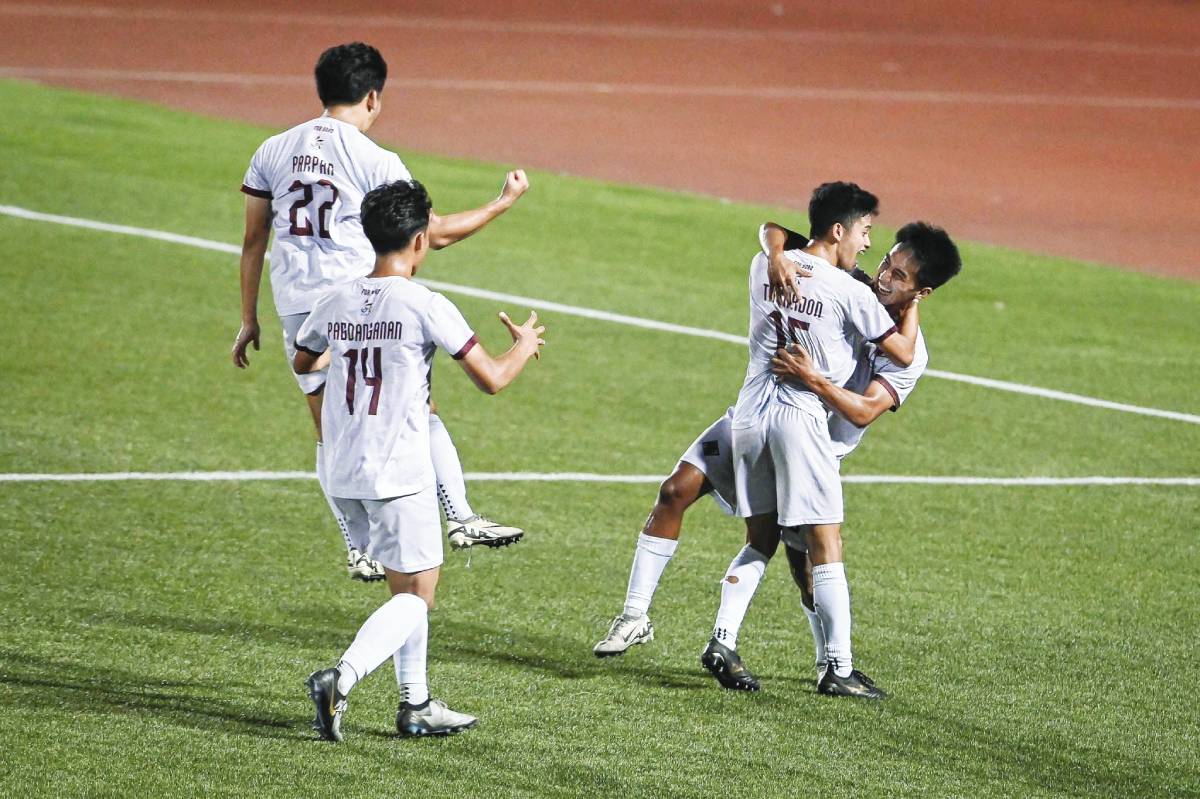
673 494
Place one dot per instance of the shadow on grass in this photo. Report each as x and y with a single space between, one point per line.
43 684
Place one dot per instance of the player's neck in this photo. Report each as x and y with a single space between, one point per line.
394 264
823 250
356 115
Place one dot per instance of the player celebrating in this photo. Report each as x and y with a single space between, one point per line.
306 185
928 259
923 259
381 332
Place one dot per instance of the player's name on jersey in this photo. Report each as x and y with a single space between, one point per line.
369 331
804 305
310 163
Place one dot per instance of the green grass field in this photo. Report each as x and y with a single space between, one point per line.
155 636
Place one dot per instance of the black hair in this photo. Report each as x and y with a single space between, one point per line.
394 213
838 202
935 253
347 72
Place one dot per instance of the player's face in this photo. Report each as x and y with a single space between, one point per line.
896 281
856 240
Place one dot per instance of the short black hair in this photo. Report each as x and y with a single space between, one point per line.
838 202
347 72
935 253
394 213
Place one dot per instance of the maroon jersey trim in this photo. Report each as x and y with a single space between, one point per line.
306 349
886 333
881 380
471 342
253 192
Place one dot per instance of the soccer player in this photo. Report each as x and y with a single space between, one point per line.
381 332
706 467
809 515
306 185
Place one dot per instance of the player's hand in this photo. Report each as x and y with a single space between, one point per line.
781 274
527 337
515 184
792 363
246 336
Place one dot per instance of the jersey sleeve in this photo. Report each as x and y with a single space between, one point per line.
312 337
868 316
256 183
392 169
448 329
899 380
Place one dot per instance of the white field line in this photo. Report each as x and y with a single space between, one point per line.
590 313
589 477
607 30
796 93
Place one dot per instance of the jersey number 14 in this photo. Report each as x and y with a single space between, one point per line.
359 358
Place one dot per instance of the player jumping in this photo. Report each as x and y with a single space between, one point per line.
306 185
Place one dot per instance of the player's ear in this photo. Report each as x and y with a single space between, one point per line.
372 101
923 293
838 231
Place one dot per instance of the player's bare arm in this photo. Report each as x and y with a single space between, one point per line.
901 346
254 250
860 410
493 374
781 270
446 230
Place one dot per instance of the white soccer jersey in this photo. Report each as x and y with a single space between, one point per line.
832 313
382 334
874 365
315 176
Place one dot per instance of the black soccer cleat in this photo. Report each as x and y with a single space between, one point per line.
330 705
724 664
855 684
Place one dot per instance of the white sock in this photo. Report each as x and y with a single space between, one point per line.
649 559
451 485
411 666
831 596
814 622
737 589
380 636
338 516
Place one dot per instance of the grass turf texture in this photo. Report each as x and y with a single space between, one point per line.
156 636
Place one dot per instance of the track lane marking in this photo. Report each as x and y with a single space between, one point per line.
796 93
606 316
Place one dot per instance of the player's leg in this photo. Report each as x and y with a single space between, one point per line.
756 501
801 568
810 495
655 546
464 527
313 386
383 633
418 558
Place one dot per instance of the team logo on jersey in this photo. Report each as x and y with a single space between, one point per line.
317 143
366 307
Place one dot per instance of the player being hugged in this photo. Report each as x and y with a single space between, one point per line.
380 333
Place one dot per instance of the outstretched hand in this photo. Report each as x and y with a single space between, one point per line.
527 337
781 274
515 184
247 335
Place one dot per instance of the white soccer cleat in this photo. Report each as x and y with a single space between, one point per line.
363 568
625 631
433 719
464 533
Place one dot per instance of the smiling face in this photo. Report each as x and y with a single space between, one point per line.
895 283
853 241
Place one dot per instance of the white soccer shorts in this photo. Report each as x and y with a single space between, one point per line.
402 533
786 465
312 381
712 454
